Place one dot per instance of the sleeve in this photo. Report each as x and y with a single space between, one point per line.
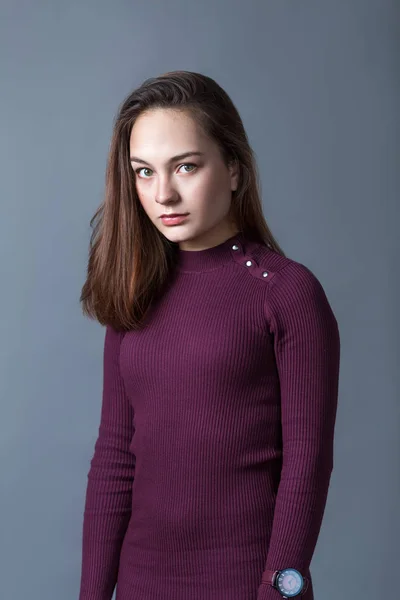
307 349
109 482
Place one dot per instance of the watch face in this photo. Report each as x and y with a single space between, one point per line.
289 582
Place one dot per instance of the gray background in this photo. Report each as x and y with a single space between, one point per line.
317 86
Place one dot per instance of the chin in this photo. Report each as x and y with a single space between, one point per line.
175 234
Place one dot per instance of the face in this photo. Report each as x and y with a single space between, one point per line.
198 184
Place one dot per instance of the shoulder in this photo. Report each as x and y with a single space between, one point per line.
112 341
293 292
275 269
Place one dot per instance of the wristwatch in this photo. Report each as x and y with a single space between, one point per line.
289 582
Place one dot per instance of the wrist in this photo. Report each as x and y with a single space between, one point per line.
287 583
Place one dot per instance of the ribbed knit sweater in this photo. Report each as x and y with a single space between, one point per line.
215 446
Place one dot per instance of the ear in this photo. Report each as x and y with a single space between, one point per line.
234 172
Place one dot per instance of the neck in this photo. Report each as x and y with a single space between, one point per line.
210 258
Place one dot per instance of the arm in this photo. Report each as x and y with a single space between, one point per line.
110 478
307 349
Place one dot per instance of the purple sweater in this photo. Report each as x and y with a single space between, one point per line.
215 446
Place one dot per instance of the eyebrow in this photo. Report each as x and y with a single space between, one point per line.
171 160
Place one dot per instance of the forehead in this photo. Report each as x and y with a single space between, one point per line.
162 131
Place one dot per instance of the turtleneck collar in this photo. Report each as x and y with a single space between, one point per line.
210 258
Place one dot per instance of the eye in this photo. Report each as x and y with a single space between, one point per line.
188 165
137 171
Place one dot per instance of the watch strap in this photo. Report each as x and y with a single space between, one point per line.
269 576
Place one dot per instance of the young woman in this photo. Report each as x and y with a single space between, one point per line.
211 469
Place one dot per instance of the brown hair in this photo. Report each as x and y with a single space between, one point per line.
130 261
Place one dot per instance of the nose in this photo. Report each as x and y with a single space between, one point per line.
165 191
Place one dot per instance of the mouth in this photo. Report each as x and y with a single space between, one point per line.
174 219
171 215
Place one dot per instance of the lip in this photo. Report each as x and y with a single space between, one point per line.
168 216
173 219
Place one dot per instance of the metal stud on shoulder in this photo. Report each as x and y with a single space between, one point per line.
243 256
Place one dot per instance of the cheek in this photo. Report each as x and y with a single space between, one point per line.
141 194
205 186
144 201
213 188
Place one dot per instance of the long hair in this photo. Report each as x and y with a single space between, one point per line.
130 261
